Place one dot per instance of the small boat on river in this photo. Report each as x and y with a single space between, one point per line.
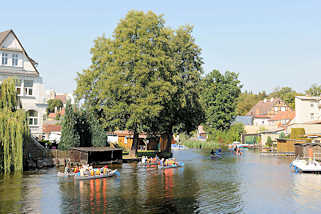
302 165
179 164
88 177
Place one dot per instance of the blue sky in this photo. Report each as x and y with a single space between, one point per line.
269 43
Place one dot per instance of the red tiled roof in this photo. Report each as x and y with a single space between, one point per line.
52 115
284 115
47 128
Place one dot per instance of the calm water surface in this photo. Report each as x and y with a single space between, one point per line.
247 184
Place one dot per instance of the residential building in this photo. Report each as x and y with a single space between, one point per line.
15 62
265 109
307 108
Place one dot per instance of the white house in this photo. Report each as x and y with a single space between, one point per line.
15 62
307 108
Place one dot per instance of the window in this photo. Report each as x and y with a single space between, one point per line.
284 122
276 108
14 59
312 116
28 84
32 117
18 87
283 108
4 59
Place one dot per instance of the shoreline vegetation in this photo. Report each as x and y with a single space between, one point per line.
216 138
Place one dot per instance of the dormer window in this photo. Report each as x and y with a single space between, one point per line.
4 58
15 60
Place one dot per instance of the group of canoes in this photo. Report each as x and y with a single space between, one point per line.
160 163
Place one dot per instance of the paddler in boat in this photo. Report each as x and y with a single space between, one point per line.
212 152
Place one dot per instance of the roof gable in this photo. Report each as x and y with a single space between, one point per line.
9 41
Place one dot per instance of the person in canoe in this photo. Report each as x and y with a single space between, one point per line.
212 152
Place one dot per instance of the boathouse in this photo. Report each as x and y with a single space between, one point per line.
96 155
287 145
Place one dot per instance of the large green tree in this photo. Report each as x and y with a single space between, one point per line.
219 98
144 78
14 129
314 90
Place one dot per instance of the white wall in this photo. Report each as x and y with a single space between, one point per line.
304 108
261 121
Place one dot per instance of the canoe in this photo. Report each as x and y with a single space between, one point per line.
112 173
179 164
216 156
61 174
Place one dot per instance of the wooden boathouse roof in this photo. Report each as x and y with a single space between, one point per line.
96 149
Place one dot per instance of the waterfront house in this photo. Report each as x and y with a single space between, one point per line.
15 62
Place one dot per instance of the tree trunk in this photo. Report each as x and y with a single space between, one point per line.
135 143
169 142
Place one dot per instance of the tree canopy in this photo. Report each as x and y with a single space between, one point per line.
314 90
219 98
144 78
53 104
286 94
247 100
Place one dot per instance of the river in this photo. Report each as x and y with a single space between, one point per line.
246 184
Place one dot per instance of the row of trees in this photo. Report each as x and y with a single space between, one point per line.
14 129
148 78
